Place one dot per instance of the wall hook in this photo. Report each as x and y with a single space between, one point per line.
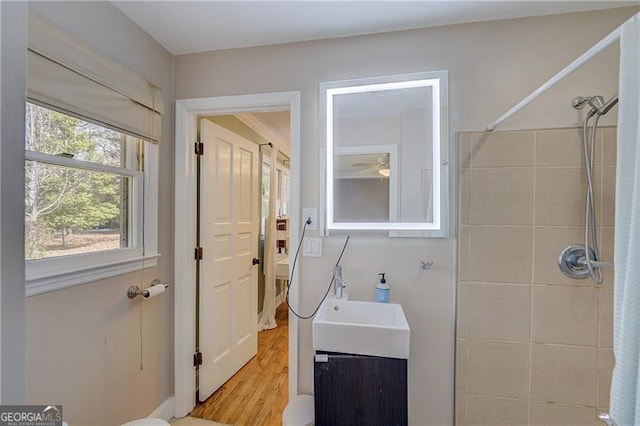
426 265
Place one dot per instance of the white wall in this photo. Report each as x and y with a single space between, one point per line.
12 87
83 344
491 67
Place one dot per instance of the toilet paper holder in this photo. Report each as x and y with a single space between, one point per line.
135 291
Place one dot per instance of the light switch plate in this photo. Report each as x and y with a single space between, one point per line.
312 247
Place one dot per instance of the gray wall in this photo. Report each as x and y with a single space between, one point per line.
491 66
84 344
92 367
12 88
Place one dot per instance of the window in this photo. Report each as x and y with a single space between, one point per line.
282 181
265 191
81 184
92 129
84 192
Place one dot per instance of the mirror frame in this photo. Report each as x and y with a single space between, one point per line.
438 81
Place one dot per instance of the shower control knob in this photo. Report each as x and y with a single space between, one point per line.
573 263
255 261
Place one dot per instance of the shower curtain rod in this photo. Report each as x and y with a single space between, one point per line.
577 63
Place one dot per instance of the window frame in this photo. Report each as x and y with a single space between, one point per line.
55 273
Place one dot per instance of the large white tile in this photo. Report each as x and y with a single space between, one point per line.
566 315
499 312
502 149
564 374
559 196
482 410
501 196
561 147
500 254
498 369
546 414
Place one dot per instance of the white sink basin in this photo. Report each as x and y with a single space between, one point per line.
365 328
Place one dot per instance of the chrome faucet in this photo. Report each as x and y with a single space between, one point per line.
338 282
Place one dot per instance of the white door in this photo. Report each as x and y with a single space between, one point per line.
229 226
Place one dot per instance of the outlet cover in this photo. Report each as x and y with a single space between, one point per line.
310 212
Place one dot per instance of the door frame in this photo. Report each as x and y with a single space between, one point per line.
187 113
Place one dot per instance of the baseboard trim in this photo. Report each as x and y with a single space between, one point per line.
165 410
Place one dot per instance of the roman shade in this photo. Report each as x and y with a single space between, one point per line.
66 74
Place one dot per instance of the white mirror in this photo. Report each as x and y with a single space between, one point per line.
386 156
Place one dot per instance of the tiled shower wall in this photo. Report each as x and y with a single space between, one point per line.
533 346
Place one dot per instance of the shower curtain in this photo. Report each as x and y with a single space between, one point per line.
625 385
267 319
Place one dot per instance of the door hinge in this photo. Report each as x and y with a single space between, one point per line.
197 359
199 148
198 253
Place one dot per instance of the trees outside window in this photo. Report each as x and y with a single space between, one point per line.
76 197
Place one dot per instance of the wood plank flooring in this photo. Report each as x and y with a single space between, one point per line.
258 393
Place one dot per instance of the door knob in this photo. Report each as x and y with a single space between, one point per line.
255 261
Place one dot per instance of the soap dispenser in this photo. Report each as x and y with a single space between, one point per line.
382 290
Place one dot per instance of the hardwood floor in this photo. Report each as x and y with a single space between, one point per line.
258 393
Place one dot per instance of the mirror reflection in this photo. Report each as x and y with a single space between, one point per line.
361 187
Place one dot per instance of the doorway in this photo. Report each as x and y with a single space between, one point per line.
187 113
243 230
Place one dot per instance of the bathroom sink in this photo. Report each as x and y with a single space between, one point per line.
364 328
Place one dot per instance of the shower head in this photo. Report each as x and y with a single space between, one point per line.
596 102
579 102
610 104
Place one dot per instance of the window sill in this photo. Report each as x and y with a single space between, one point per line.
59 280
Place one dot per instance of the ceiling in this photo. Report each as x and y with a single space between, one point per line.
196 26
273 126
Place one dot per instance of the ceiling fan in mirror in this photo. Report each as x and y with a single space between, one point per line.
377 162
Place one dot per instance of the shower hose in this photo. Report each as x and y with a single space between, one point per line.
590 233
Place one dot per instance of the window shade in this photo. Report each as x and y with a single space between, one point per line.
67 74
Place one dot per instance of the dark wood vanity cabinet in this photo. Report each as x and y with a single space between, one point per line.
359 390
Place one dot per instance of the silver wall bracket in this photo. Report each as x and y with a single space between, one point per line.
133 291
